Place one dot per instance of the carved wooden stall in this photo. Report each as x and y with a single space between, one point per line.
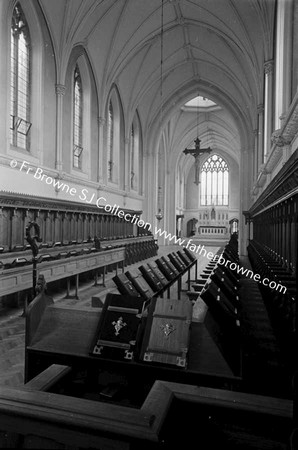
273 252
275 214
71 237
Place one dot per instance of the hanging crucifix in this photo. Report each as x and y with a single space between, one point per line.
197 152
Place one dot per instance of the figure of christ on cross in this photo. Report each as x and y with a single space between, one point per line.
197 152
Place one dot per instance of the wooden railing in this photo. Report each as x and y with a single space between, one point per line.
29 416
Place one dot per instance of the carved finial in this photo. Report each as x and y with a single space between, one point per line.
41 285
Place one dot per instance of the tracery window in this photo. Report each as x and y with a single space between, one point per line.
214 182
110 143
20 79
77 119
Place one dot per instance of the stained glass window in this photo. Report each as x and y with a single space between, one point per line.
132 157
77 119
214 182
110 143
20 79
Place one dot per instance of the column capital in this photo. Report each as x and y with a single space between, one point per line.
101 121
60 89
268 66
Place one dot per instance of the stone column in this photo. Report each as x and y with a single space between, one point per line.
151 189
268 69
283 56
127 173
260 110
60 92
101 153
255 159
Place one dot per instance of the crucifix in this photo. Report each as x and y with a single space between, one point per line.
197 152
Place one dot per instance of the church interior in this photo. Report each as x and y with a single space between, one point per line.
148 224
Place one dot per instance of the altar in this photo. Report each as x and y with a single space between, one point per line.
213 230
209 225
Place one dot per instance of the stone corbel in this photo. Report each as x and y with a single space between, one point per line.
255 190
289 121
262 176
278 139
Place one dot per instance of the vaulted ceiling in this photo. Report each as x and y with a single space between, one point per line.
215 48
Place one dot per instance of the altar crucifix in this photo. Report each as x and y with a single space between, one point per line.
197 152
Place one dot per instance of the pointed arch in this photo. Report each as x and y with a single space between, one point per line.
136 155
114 139
77 119
30 71
80 117
20 80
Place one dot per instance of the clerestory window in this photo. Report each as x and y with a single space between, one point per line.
110 143
20 80
77 119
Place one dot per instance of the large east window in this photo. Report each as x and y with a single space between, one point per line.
20 80
77 119
214 182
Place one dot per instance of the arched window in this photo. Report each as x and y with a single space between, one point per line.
214 182
110 143
77 119
136 161
132 158
20 80
115 146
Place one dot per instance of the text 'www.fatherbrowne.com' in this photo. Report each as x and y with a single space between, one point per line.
101 203
200 249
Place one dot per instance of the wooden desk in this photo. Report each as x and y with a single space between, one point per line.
65 336
18 279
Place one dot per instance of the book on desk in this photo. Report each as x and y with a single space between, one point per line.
118 327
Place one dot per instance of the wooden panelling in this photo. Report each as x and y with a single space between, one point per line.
18 279
64 222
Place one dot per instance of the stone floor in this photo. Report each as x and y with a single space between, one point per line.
12 322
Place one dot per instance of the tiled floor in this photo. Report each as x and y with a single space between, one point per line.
12 324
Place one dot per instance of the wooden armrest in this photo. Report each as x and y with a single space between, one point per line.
46 379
